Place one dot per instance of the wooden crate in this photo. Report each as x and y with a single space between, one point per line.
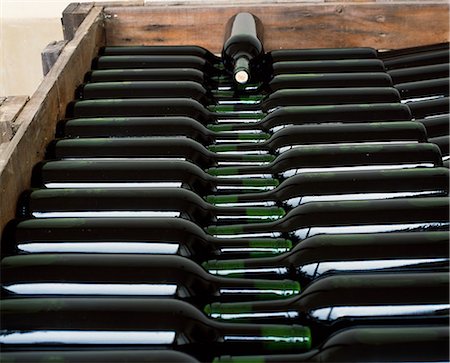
288 24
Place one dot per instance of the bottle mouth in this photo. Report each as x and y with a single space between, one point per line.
241 77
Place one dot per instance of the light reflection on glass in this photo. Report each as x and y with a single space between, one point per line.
355 143
259 291
102 247
239 271
252 235
112 214
65 288
250 315
53 185
256 249
87 337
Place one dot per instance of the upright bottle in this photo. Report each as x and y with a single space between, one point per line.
104 323
337 302
391 343
243 47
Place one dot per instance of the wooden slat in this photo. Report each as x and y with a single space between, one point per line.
72 16
50 54
48 104
386 25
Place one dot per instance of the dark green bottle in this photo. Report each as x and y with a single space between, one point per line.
333 158
349 185
159 236
393 53
126 202
417 59
298 136
328 66
115 275
426 88
336 302
129 148
313 97
126 323
281 55
325 255
151 126
140 174
437 125
186 107
243 47
421 73
155 61
427 108
390 343
442 142
100 356
190 50
374 216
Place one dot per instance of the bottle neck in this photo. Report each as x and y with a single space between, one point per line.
245 148
233 215
262 338
259 171
254 230
241 185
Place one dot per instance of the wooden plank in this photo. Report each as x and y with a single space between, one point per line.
386 25
50 54
9 110
72 16
48 104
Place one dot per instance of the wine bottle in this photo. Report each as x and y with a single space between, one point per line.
328 66
145 89
243 46
390 343
284 115
437 125
99 356
420 73
104 323
325 255
339 158
154 202
115 275
159 236
336 302
299 136
417 59
442 142
151 126
189 50
149 147
381 216
345 185
393 53
426 88
423 109
312 97
281 55
139 174
154 61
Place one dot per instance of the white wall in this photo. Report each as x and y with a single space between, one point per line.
26 27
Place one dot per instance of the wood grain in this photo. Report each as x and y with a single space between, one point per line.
72 16
382 25
10 108
39 117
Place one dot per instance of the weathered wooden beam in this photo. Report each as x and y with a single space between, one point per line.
72 16
382 25
10 108
50 54
40 115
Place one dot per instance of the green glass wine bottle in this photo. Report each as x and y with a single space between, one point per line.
103 323
281 55
336 302
390 343
140 174
426 88
126 202
333 158
419 73
298 136
393 53
417 59
427 108
115 275
129 148
151 126
437 125
159 236
99 356
374 216
324 255
344 185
